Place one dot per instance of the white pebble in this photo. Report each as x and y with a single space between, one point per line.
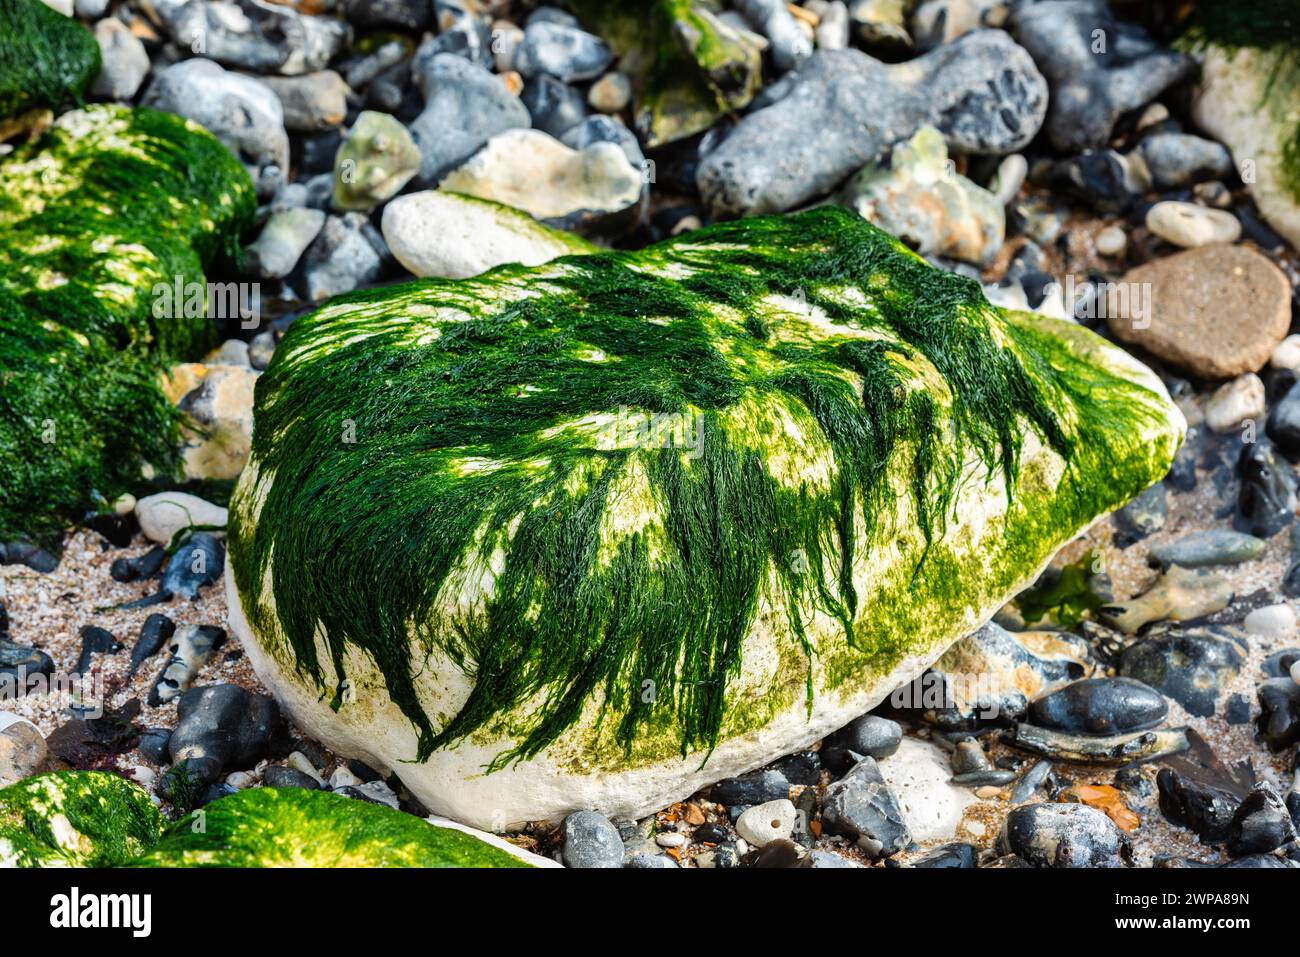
300 762
764 823
240 780
1295 672
1187 225
1287 353
670 839
1009 178
1111 241
343 778
1272 621
1235 402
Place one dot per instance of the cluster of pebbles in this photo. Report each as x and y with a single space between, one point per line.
1141 704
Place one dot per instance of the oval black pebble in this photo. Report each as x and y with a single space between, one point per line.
1100 706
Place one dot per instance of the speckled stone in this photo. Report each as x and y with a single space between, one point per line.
1217 311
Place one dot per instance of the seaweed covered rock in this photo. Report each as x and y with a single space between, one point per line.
1249 98
76 819
596 533
111 207
46 59
99 819
689 66
293 827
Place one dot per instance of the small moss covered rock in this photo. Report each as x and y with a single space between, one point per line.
98 819
46 59
688 66
77 819
101 220
597 532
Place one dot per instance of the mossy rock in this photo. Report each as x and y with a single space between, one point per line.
46 59
687 66
108 206
1249 97
291 827
99 819
75 819
595 533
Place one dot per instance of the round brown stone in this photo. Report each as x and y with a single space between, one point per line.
1216 311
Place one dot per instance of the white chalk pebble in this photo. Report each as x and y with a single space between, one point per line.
1271 621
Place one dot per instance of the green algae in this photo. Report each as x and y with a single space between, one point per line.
99 819
688 67
416 441
110 203
46 59
75 819
292 827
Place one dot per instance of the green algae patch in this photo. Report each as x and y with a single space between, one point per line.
588 485
75 819
110 205
292 827
46 59
99 819
688 66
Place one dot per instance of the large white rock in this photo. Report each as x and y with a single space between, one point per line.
918 774
793 681
437 233
1239 103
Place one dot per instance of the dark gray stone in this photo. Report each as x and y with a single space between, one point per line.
590 840
861 807
867 736
1098 67
1100 706
1062 835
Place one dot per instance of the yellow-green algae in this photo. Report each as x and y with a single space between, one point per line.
441 440
46 59
99 819
75 819
108 204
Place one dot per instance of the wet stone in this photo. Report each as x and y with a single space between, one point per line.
756 788
861 807
1206 810
867 736
1267 501
1179 594
1208 547
1261 823
1100 706
1279 717
1031 781
1142 516
590 840
955 854
1062 835
1190 665
278 776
